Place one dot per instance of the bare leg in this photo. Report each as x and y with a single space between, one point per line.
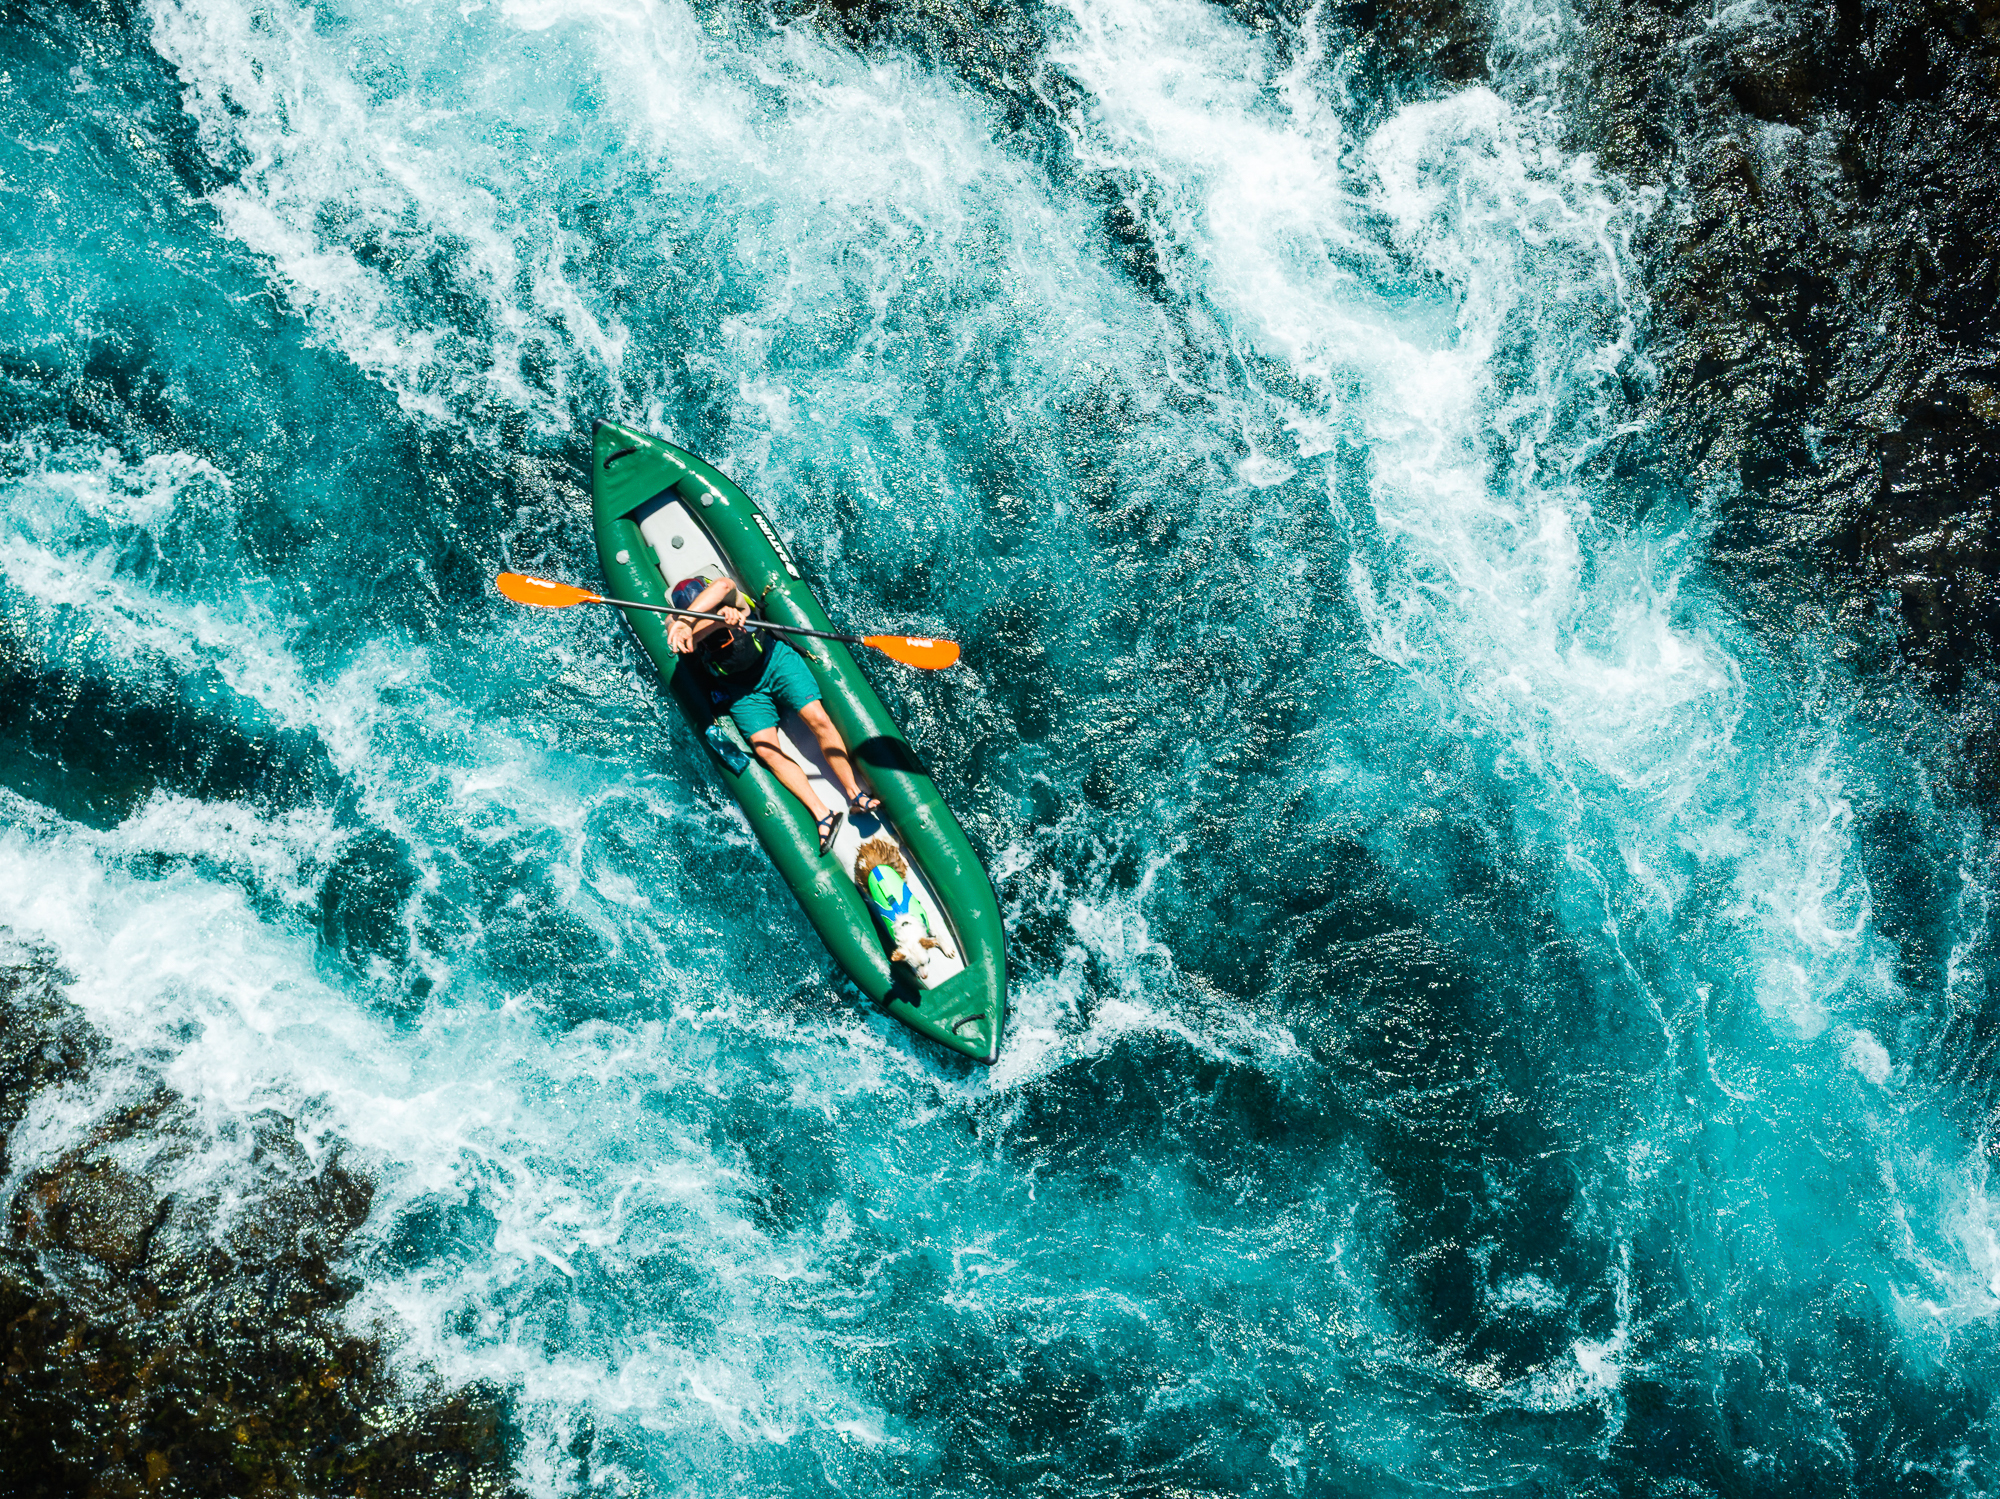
831 746
786 769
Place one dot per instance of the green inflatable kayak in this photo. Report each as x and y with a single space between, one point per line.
662 515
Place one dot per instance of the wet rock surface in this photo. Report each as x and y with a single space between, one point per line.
1824 306
157 1341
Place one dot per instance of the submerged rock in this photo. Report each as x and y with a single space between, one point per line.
152 1340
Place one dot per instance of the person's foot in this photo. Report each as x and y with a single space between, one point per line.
867 803
829 829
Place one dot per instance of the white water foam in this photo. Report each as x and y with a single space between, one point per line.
374 179
470 1108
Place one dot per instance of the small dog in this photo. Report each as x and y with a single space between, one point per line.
883 875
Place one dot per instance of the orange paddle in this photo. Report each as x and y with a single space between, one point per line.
911 650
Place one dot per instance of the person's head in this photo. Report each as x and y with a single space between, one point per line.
687 591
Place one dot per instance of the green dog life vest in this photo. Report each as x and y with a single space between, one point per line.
889 894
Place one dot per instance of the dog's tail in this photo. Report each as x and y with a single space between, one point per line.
878 851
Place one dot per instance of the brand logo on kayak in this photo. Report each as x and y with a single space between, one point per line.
777 545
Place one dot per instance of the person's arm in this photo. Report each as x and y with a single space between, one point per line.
682 633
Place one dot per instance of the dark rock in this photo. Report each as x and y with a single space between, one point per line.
155 1341
43 1042
1441 40
1824 312
95 1209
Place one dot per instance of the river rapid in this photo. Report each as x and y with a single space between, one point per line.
1484 1019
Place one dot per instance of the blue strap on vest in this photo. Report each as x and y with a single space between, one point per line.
878 892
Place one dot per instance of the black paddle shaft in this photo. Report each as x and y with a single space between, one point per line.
748 624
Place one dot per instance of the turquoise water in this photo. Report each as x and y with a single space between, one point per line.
1481 1021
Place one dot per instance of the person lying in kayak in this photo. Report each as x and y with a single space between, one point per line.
756 679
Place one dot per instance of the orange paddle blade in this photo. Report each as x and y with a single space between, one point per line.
523 589
914 650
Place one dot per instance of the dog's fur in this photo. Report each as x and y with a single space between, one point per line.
911 931
878 851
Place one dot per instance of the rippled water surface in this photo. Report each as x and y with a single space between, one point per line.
1482 1022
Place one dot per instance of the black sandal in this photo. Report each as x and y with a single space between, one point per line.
829 829
867 803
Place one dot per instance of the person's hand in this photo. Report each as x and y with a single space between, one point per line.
680 637
733 616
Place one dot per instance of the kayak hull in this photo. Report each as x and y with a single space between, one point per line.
634 475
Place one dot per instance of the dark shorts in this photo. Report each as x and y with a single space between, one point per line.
786 686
